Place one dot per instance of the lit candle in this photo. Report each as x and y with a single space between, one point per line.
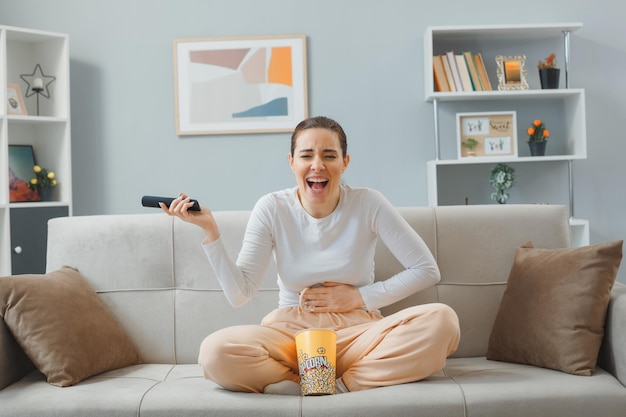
37 83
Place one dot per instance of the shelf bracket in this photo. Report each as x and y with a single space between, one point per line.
436 124
570 172
566 35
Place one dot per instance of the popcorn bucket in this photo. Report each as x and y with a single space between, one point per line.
317 354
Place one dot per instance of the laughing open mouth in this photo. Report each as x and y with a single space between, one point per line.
317 184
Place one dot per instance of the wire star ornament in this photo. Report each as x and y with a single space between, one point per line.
46 81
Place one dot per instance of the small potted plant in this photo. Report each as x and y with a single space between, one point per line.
470 144
502 178
537 138
43 183
549 73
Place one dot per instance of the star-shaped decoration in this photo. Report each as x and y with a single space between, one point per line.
38 82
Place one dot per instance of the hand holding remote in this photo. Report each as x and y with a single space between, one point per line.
201 216
153 201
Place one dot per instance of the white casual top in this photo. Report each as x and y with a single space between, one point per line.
339 247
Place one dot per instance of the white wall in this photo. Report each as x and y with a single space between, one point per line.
365 69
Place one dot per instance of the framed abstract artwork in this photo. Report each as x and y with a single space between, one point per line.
21 163
240 84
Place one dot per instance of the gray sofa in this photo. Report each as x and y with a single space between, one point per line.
150 271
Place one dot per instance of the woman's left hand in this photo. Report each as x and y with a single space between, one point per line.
331 297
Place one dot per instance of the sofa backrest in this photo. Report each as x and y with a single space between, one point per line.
152 273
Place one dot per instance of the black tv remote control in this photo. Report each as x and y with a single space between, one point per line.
153 201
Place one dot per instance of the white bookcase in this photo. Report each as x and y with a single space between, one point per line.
23 242
453 180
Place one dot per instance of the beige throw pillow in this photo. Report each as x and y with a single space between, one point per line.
63 326
553 310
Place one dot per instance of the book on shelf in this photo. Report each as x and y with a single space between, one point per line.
482 72
455 71
448 70
464 73
441 82
473 71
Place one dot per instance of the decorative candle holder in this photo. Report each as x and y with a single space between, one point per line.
38 83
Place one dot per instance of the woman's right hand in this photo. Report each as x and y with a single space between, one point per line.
203 218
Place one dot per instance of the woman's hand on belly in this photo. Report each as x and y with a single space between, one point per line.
331 297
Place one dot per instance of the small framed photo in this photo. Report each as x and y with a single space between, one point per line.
15 100
240 84
511 72
485 135
21 163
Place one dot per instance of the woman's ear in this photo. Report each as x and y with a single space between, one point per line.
290 159
346 161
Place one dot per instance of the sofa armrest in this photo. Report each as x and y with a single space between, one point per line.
613 352
14 363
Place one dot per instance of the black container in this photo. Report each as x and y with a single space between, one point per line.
549 77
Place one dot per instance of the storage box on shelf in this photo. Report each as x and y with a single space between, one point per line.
45 126
562 109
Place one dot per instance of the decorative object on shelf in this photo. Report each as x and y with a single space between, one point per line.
511 72
502 178
538 138
21 161
494 134
240 85
38 83
44 183
15 101
470 144
549 73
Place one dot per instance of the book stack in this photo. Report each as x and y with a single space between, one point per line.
460 72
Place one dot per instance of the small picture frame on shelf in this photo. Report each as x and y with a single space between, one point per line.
511 72
15 100
21 163
486 135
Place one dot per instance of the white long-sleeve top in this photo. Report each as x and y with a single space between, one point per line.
338 248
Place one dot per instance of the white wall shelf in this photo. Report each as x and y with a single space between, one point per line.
48 132
563 111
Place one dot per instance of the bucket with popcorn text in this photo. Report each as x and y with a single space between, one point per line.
317 353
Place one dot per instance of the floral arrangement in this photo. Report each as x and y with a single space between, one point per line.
537 132
502 178
550 62
44 178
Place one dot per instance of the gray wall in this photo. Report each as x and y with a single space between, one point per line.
365 69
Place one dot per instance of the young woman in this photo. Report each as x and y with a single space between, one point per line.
323 234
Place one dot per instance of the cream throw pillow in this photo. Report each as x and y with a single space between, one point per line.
553 310
63 326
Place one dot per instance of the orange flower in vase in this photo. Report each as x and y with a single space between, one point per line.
549 73
537 138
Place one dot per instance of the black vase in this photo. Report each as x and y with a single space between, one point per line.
537 148
45 194
549 77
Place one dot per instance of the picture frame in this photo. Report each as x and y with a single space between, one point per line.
494 134
511 71
15 100
21 163
240 84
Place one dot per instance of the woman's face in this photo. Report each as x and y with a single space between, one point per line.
317 163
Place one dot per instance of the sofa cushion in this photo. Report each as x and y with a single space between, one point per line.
553 310
63 326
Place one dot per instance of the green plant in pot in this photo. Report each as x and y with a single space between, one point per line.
43 182
538 138
502 178
470 144
549 73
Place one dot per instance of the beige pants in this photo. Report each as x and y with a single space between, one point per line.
372 351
